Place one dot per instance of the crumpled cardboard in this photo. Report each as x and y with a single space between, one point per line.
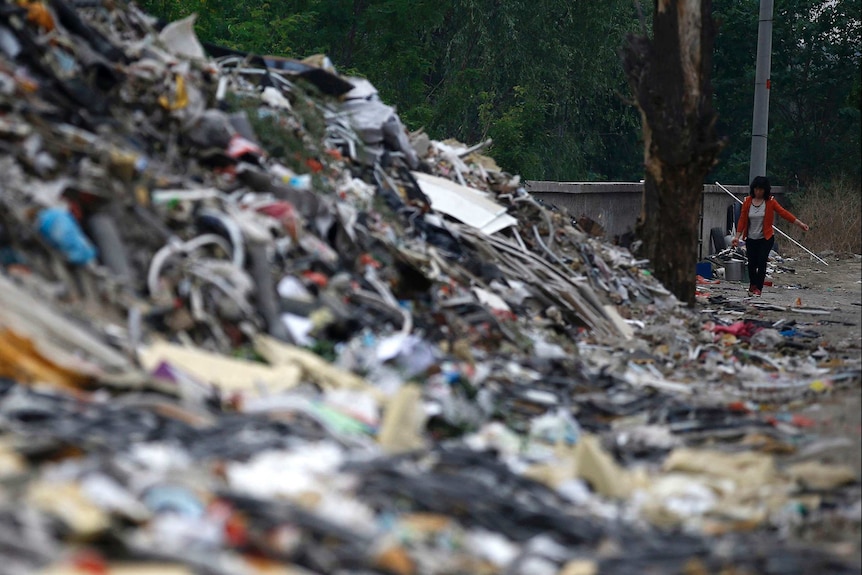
228 374
588 461
67 502
11 463
311 366
716 491
20 359
821 476
580 567
745 468
403 421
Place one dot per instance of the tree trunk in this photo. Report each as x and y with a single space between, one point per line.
669 76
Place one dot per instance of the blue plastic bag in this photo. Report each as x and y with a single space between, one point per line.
62 232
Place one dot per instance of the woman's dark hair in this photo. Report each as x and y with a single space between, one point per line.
761 182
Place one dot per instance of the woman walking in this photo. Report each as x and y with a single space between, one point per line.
755 225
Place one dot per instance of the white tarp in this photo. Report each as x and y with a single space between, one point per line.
465 204
180 39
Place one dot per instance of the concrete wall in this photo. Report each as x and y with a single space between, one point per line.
616 205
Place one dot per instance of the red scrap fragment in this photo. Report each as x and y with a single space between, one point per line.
90 562
239 147
802 421
316 278
314 165
739 329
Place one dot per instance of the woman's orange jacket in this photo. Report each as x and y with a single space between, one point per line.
772 206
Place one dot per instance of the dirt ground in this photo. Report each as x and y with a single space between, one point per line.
826 301
837 288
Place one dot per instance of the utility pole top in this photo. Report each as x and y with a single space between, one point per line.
760 122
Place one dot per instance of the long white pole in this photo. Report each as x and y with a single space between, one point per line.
775 227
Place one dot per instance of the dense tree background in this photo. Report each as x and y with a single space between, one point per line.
544 79
814 103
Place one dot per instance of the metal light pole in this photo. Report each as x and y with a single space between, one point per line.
760 123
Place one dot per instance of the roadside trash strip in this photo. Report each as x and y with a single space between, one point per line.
250 324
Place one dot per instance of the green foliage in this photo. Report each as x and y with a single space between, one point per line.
259 27
549 70
511 129
814 110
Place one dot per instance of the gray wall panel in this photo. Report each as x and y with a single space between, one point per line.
616 205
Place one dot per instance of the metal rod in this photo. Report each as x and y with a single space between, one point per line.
475 148
776 228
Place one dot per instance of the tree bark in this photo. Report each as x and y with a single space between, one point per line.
669 76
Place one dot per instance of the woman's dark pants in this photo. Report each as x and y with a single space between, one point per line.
758 252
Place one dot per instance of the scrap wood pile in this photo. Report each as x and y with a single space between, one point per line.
250 324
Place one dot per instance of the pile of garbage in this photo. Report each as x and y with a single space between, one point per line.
251 324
